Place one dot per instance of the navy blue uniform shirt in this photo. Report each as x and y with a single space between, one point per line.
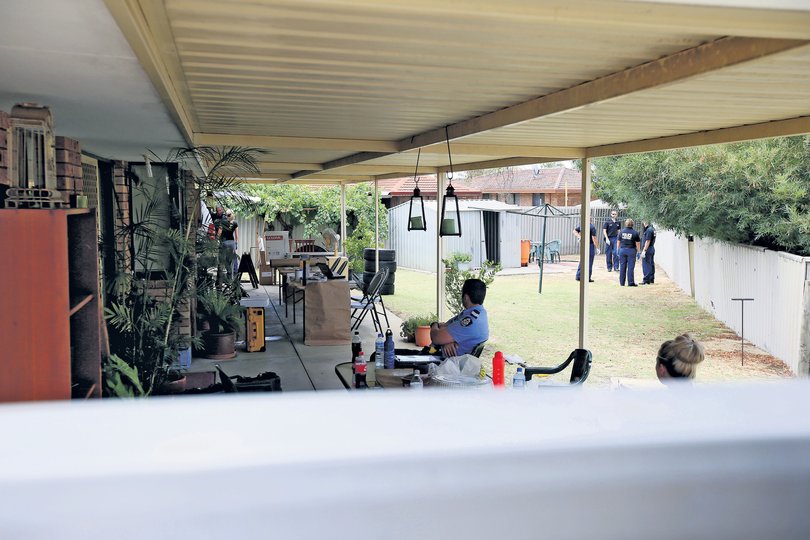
593 231
612 227
629 237
649 234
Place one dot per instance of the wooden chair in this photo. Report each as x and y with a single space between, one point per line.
297 245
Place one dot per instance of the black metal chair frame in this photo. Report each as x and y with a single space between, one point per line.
581 358
368 303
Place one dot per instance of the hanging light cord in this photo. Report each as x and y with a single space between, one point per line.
416 171
449 157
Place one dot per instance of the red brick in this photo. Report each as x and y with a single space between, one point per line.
69 157
66 169
78 184
68 144
64 183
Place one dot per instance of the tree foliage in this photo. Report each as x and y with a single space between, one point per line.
319 208
753 193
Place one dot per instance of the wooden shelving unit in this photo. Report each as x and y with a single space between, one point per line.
49 305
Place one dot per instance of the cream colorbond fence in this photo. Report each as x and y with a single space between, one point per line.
777 321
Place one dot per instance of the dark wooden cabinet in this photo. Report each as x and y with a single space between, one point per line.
49 305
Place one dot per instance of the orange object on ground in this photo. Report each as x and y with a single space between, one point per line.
525 249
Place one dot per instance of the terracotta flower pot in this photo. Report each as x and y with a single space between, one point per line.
177 386
220 346
422 336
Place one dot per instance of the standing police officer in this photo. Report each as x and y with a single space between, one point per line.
610 231
594 241
629 244
648 253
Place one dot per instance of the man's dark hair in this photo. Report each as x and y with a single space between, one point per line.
475 289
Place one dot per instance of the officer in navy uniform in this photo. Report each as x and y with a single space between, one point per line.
462 333
648 253
594 247
629 244
610 231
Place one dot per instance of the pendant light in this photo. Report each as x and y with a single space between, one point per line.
416 212
451 223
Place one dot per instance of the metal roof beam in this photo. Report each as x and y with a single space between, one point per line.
308 143
494 150
778 128
677 67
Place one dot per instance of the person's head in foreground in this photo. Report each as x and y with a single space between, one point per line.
629 223
473 293
678 359
229 214
614 214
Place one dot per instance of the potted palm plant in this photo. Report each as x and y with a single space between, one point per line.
223 316
147 302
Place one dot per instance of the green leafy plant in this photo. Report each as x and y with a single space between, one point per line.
317 209
155 282
454 277
121 379
408 327
755 192
219 310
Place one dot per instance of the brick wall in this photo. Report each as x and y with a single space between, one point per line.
4 157
122 218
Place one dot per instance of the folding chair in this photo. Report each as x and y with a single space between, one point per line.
368 303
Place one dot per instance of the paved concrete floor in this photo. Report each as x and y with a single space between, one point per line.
300 367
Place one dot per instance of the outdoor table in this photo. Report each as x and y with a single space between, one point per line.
389 378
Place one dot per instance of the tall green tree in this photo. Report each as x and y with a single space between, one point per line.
318 208
754 192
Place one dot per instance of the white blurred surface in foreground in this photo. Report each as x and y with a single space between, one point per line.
707 462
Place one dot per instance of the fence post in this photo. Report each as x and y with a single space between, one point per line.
803 368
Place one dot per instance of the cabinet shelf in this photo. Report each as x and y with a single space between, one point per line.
79 301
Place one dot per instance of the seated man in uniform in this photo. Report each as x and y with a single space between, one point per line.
463 332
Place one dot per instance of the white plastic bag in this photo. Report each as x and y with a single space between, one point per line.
462 370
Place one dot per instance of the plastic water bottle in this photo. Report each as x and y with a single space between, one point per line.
379 352
360 371
519 380
416 381
389 349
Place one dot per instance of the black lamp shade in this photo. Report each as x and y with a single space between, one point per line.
416 212
451 221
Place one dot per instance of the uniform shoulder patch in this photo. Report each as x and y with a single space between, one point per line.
475 313
466 321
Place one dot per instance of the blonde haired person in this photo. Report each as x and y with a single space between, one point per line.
678 358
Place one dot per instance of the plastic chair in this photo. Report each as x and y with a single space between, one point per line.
553 250
582 359
368 303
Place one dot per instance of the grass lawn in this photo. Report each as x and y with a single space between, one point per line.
627 325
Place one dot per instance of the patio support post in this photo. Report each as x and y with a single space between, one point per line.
376 226
343 218
584 252
441 185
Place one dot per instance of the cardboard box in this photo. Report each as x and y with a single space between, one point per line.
266 275
276 244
